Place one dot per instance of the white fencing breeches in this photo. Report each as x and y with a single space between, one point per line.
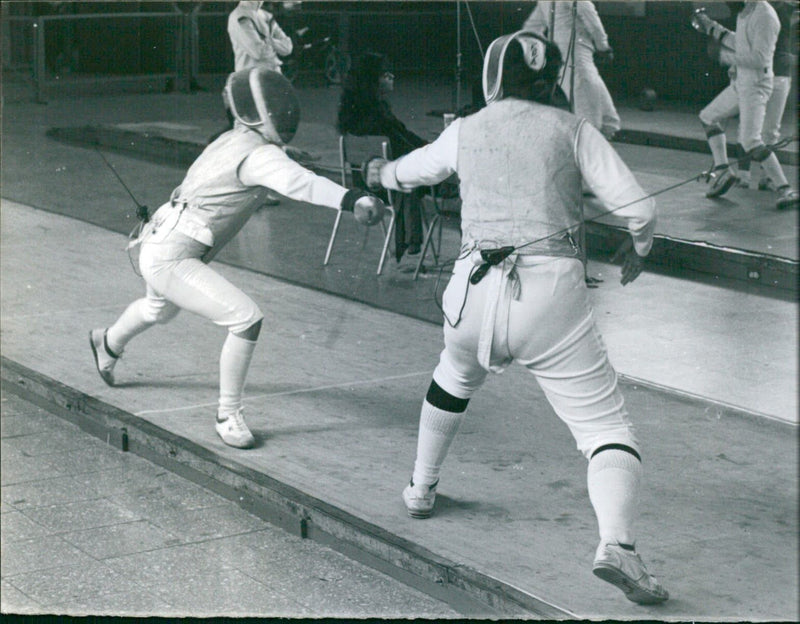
544 322
175 274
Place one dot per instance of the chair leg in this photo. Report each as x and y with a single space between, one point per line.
333 237
428 242
389 232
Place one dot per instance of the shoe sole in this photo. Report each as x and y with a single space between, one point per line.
786 205
246 445
420 515
632 591
723 189
104 376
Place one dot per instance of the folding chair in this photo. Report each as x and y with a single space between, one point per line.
444 208
353 151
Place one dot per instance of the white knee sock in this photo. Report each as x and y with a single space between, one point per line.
132 322
772 167
234 362
437 428
719 149
613 479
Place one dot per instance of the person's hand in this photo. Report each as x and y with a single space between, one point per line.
371 172
603 58
702 22
632 263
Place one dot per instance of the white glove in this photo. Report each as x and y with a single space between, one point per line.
371 170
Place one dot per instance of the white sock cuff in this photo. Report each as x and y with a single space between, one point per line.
438 420
615 458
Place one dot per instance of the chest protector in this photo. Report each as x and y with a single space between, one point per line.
215 204
519 178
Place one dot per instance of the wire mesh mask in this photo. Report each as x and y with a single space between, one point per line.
264 100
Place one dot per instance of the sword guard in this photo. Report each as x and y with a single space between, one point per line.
143 214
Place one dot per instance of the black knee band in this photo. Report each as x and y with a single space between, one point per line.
759 153
443 400
617 447
712 130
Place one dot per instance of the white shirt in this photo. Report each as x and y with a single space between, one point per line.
256 37
603 171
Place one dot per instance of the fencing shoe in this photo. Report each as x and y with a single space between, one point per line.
721 179
233 430
104 358
787 198
419 499
625 569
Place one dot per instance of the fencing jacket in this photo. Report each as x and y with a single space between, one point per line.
520 181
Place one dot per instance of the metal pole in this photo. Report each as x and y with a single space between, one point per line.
458 55
572 57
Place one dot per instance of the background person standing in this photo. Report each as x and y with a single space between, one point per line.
577 30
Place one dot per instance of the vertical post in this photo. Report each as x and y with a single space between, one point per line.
39 67
458 56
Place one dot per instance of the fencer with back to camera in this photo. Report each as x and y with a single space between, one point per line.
219 193
517 290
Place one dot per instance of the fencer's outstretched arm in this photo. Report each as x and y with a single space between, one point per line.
269 166
612 182
426 165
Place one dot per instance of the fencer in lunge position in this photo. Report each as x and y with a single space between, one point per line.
219 193
749 52
521 163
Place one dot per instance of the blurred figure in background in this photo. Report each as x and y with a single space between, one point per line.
364 109
576 29
256 37
749 51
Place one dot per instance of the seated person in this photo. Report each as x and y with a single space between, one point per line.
364 110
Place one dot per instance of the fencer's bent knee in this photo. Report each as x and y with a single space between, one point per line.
440 398
710 127
252 332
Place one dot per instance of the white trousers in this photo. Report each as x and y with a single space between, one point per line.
177 278
542 320
776 105
592 100
748 96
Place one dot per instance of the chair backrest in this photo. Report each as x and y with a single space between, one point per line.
354 150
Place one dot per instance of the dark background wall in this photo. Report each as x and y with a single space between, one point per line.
655 47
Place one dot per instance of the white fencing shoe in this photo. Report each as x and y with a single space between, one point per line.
721 180
625 569
419 499
104 359
233 430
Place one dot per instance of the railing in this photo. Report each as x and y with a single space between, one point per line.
61 50
166 50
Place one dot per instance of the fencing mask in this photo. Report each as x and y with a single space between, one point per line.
264 100
539 58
